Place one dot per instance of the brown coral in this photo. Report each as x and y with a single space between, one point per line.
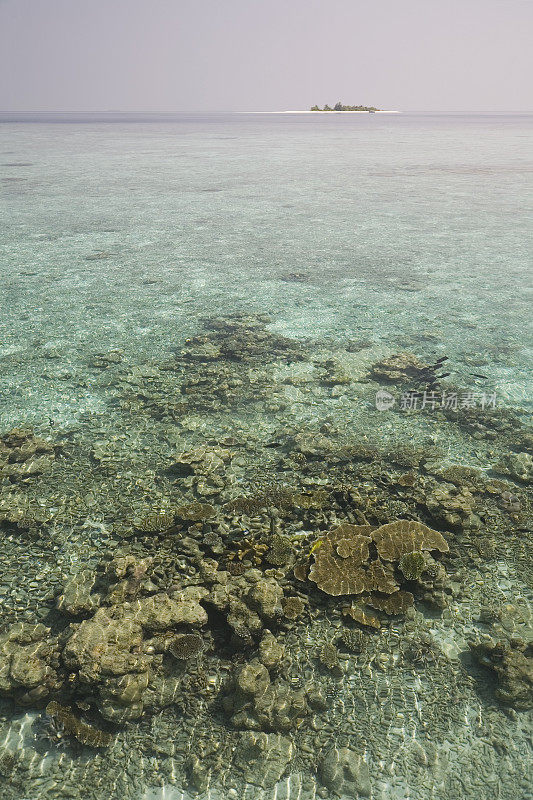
293 607
380 578
363 617
249 549
329 657
301 570
353 639
281 550
195 512
398 367
396 603
155 522
186 645
412 565
339 558
397 539
84 733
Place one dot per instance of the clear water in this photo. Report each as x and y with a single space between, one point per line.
399 233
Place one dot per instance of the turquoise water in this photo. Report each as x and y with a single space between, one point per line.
339 242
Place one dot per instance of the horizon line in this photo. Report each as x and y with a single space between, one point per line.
284 111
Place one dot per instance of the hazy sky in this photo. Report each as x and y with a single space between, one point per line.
189 55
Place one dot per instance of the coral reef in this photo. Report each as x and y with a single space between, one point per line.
29 663
397 368
223 607
24 455
111 656
412 565
186 645
348 561
512 663
338 560
397 539
72 726
253 702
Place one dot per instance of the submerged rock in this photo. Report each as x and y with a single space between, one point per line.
254 703
519 466
271 653
23 455
106 652
265 598
129 576
160 612
452 506
263 757
512 662
77 596
253 679
344 772
107 644
397 368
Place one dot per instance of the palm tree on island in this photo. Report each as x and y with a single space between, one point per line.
340 107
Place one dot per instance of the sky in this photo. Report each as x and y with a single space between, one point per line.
265 55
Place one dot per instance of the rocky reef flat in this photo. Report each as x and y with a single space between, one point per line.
206 594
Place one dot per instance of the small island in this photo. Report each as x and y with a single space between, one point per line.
340 107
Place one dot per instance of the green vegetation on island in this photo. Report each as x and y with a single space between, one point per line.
340 107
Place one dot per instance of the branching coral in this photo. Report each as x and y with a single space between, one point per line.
412 565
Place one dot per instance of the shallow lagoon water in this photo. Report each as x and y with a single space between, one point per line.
359 238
